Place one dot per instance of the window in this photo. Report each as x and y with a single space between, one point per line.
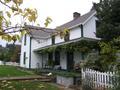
53 40
66 38
24 58
25 37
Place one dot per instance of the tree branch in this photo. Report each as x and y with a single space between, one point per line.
8 6
12 32
12 28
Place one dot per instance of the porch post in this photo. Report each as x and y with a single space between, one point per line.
42 59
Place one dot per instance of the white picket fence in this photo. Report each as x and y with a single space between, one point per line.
96 79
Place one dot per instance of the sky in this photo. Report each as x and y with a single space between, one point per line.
60 11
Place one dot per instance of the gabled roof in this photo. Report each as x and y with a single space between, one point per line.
44 33
78 21
39 32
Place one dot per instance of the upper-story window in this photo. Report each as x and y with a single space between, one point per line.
53 40
67 36
25 37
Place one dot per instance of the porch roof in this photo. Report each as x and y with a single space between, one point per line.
68 42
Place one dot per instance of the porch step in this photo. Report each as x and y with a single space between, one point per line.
40 78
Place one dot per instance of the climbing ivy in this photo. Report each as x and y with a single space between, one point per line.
81 46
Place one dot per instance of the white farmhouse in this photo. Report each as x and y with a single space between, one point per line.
40 39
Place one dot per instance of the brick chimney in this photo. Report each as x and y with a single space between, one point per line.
76 15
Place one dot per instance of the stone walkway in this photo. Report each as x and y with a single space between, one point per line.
35 77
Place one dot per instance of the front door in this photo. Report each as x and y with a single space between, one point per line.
70 62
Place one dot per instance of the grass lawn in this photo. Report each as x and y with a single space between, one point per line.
26 85
7 71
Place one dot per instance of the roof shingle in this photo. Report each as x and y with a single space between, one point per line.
40 32
79 20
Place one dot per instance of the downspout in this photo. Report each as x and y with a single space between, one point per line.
42 60
30 53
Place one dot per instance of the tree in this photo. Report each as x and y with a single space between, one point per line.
16 54
108 14
9 32
107 59
10 53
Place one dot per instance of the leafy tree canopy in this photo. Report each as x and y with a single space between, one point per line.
10 53
108 14
9 32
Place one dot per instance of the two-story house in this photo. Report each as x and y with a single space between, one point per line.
38 39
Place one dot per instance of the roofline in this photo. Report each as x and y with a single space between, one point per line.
37 27
30 27
83 22
89 18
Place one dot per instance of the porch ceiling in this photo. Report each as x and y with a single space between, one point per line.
63 43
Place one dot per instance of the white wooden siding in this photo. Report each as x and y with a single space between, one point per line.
58 39
63 60
25 48
89 29
75 33
77 57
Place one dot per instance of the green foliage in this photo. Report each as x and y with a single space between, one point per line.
9 31
107 59
26 85
60 72
82 46
15 56
51 63
10 53
47 21
7 71
109 20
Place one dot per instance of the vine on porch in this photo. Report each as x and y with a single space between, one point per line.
81 46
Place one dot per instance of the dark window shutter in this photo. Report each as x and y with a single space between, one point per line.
67 37
25 37
24 58
53 40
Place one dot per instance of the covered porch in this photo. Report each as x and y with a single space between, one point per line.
66 56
